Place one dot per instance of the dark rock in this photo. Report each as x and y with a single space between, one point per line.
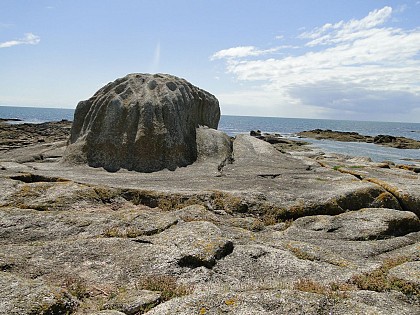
333 135
255 133
10 119
280 143
19 136
141 122
386 140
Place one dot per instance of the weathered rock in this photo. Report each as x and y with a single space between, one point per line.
404 188
401 184
24 135
281 301
131 303
261 180
208 236
21 296
112 221
281 143
365 224
141 122
200 243
213 145
409 271
23 143
196 213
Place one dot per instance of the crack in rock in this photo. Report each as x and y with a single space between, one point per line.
192 262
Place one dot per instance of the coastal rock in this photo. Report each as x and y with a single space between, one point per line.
131 303
141 122
200 243
365 224
335 135
26 225
385 140
23 135
259 180
21 296
213 145
280 143
284 301
409 271
263 233
43 142
400 183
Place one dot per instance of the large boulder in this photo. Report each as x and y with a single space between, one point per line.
141 122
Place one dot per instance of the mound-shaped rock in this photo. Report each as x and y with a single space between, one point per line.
141 122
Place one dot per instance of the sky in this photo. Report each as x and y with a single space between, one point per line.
335 59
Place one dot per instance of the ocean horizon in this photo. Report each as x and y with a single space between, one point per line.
289 127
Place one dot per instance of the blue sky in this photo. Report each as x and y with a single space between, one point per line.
310 59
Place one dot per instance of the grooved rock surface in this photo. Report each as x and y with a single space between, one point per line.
141 122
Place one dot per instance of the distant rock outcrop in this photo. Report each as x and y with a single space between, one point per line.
141 122
344 136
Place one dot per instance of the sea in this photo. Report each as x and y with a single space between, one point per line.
288 127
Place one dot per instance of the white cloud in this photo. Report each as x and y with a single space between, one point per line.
344 31
29 39
357 66
242 51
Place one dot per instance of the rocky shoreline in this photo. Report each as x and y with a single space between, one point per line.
384 140
13 136
275 229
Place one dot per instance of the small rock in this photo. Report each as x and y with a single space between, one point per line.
255 133
131 303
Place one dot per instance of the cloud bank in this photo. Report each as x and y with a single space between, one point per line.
29 39
357 69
